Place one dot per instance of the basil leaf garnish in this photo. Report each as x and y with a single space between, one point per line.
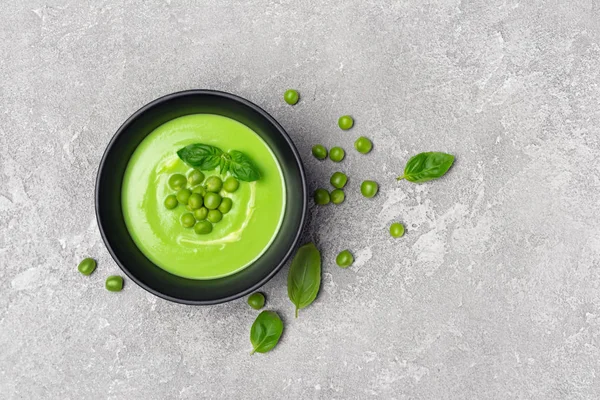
224 163
242 168
427 166
265 332
202 156
206 157
304 276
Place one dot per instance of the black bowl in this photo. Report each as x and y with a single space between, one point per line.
110 216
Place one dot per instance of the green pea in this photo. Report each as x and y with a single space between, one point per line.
188 220
338 180
397 230
203 227
212 200
171 201
177 181
322 197
369 188
213 184
336 154
114 283
345 122
183 196
319 151
195 177
256 300
87 266
201 213
363 145
344 259
214 216
291 96
200 190
231 184
225 205
337 196
195 201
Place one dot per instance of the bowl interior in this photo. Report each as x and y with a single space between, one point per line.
110 216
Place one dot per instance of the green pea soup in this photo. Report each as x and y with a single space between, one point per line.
243 234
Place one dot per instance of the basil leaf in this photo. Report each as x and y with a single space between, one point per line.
304 276
242 168
224 164
206 157
427 166
202 156
265 332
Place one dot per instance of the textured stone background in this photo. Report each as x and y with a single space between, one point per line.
492 294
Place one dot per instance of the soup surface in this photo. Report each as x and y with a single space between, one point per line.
243 234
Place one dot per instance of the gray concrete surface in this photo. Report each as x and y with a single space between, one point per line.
494 292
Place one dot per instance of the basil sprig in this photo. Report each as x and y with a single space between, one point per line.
304 276
427 166
206 157
265 332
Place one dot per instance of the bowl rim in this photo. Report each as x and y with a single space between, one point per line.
103 169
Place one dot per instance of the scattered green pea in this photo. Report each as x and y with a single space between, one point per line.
363 145
231 184
171 201
397 230
214 216
369 188
225 205
203 227
188 220
214 184
183 195
337 196
345 122
212 200
201 213
114 283
322 197
87 266
338 180
177 181
195 177
344 259
291 96
195 201
319 151
336 154
256 300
